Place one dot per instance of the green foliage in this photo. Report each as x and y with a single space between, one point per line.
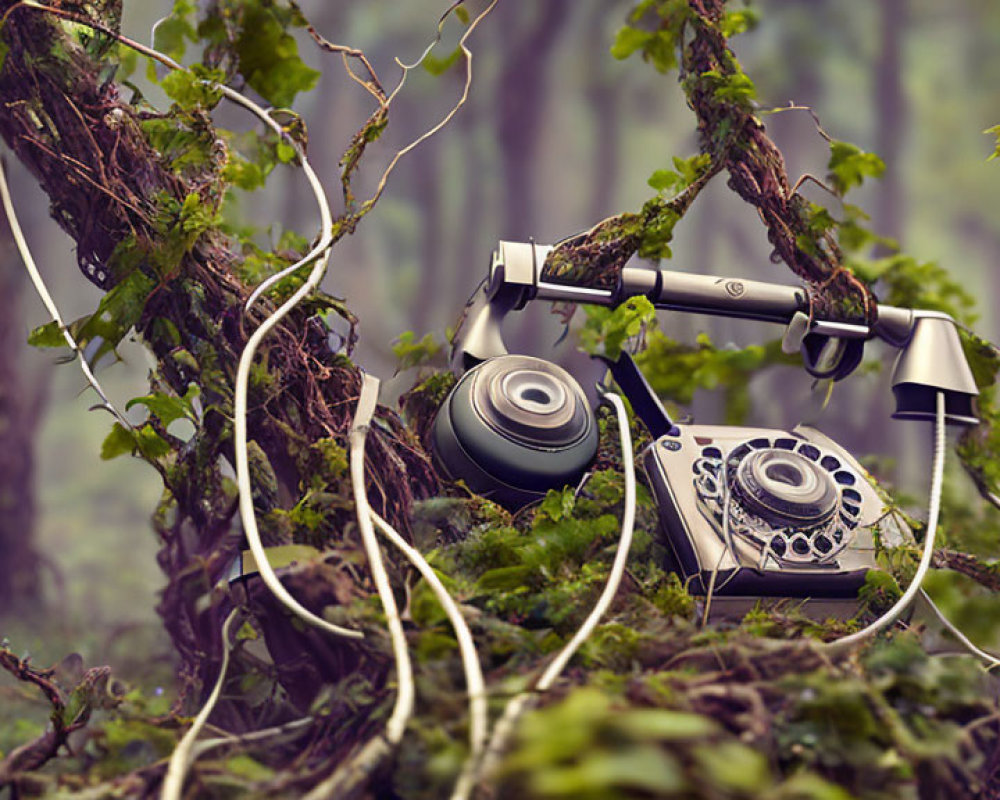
47 335
730 87
849 166
899 717
607 329
906 282
994 131
193 88
672 597
737 22
167 408
143 441
184 145
676 370
879 592
688 170
118 311
658 229
621 746
439 66
411 352
269 55
607 747
659 45
174 31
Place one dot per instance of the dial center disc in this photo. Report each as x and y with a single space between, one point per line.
785 487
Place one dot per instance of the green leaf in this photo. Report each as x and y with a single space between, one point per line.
269 57
730 87
628 40
606 330
194 87
285 151
734 767
410 352
247 175
503 578
557 504
47 335
659 37
119 442
171 32
119 310
664 724
809 786
145 441
688 170
849 166
645 768
737 22
167 408
243 766
994 131
439 66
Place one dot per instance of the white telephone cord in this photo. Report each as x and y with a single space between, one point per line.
504 727
934 511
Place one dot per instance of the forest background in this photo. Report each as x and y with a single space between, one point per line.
557 135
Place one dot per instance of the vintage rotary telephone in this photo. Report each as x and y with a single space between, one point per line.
750 512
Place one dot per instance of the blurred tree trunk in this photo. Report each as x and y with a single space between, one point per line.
602 97
22 398
891 116
531 34
428 198
471 238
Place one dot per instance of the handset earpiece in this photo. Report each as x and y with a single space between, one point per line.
514 427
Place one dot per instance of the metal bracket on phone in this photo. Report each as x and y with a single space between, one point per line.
931 358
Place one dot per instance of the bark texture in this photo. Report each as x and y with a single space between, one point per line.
113 193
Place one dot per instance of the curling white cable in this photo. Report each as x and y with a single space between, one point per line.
181 758
475 685
470 658
46 298
505 725
955 631
934 511
319 256
247 514
404 671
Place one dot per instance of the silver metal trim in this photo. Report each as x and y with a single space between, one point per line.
574 294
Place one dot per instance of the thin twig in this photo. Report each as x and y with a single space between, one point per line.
793 107
467 55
